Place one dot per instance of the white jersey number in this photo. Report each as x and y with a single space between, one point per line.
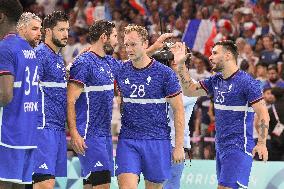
140 92
34 80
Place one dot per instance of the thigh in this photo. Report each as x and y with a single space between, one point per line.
156 160
97 156
128 159
235 169
46 153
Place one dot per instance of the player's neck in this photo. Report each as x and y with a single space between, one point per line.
98 49
229 70
141 62
53 47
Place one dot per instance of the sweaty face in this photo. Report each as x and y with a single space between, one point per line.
217 59
111 43
32 32
135 46
60 34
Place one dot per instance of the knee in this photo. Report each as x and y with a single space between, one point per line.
127 181
43 181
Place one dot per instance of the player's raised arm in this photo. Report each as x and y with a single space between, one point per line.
261 126
159 44
189 87
74 89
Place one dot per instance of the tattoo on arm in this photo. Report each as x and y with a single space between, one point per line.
263 126
186 83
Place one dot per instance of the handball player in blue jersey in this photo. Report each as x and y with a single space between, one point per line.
18 94
237 96
51 156
89 101
144 144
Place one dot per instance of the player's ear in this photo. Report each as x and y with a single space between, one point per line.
146 43
103 37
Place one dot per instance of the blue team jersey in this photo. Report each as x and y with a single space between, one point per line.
94 106
144 92
52 84
18 118
233 98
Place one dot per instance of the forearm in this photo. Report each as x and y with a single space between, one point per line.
6 89
187 84
179 128
71 116
262 127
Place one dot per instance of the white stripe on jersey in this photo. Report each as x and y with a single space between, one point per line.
17 84
233 108
53 84
144 101
99 88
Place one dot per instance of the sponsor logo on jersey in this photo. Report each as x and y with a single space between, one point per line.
29 54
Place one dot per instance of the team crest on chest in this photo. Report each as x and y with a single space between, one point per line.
126 81
148 80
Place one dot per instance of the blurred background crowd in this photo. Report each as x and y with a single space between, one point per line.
255 25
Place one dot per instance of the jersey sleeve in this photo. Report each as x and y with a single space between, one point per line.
7 62
79 71
252 90
207 85
172 86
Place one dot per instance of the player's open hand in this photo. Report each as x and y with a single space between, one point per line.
178 155
180 54
78 143
159 44
261 150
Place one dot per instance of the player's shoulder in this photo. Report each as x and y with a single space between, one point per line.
83 59
41 50
244 76
161 67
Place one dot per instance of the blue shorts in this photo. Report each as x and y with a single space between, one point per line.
51 154
16 165
98 156
150 157
233 169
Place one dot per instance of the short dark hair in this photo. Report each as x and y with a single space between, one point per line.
229 46
272 67
51 20
12 9
100 27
